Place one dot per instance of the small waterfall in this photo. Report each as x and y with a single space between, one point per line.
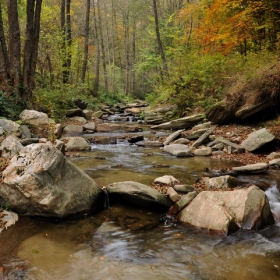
273 196
106 200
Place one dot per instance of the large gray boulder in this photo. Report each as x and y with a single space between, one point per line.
137 194
34 118
10 127
39 181
227 211
257 139
182 123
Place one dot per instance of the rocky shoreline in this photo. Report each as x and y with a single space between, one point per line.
32 167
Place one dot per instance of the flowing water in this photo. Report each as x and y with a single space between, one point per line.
131 243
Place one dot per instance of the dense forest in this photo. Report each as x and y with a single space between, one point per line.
186 52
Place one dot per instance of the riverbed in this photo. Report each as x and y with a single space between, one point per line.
131 243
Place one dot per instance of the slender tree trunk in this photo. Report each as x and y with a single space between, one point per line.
159 42
86 42
133 59
97 65
102 46
65 20
33 12
37 27
4 59
14 43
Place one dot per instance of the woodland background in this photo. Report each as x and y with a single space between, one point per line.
185 52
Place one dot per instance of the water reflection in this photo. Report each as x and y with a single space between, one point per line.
117 244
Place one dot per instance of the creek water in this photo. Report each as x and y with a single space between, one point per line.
131 243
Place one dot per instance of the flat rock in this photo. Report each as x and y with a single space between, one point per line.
203 152
137 194
110 127
173 136
183 141
178 150
257 139
183 188
182 123
251 168
149 144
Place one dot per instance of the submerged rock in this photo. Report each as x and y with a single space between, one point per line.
226 211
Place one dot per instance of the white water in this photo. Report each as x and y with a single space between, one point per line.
273 196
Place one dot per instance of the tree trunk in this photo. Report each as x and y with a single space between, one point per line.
97 65
102 46
86 42
65 20
33 12
159 42
4 59
14 43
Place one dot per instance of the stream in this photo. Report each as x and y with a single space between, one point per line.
114 244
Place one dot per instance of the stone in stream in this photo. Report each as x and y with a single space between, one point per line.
172 194
206 151
77 144
135 139
222 182
203 138
149 144
226 211
257 139
40 181
182 203
183 188
172 136
178 150
73 130
137 194
251 168
166 180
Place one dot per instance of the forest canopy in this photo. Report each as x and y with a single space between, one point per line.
187 52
